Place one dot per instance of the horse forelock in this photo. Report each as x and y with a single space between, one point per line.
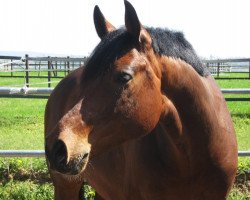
164 42
111 47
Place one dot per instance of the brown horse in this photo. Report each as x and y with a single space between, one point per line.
143 119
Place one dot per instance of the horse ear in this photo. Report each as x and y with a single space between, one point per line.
132 22
102 26
134 26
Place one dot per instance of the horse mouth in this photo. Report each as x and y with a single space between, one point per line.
77 165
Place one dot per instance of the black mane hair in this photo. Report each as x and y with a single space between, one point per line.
111 47
164 42
173 44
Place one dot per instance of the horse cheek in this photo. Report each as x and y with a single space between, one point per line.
149 109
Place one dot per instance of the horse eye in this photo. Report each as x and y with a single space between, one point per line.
123 77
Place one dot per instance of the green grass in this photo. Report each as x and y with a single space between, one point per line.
21 127
21 123
234 83
232 75
34 82
240 112
26 190
42 73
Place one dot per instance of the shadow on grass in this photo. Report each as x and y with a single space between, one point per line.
44 177
22 175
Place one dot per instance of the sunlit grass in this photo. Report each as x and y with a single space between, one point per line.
21 123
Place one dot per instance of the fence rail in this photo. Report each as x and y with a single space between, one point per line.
10 57
41 153
236 91
24 91
22 153
56 59
45 91
227 60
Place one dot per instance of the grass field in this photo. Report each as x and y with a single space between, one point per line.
21 127
40 81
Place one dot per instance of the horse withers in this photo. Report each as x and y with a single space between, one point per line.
142 120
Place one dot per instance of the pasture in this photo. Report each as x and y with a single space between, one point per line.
21 127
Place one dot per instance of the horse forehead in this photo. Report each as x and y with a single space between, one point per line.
130 59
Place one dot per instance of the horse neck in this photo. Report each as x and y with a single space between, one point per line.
186 89
190 96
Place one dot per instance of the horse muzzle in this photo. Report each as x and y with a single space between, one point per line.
60 160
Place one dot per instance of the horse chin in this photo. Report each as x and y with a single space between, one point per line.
77 165
73 178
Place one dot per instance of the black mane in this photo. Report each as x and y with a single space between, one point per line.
164 42
174 44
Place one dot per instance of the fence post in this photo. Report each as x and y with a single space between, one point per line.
49 72
65 66
218 69
11 67
27 70
52 68
68 64
249 69
56 69
207 64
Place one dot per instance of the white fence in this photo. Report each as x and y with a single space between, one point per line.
24 91
46 91
22 153
41 153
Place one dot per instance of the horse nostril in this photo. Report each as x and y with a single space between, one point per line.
85 156
59 154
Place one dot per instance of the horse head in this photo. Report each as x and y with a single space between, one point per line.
145 103
120 96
